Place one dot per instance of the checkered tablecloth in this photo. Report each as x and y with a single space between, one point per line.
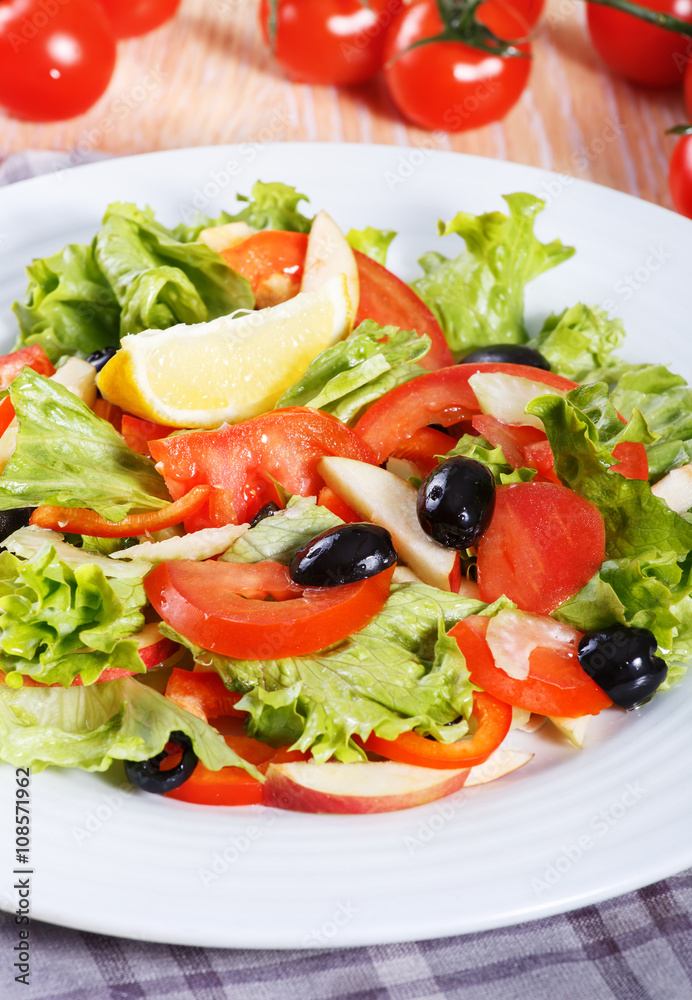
636 947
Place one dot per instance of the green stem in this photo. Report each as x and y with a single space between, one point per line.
666 21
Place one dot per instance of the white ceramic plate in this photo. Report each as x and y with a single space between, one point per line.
571 828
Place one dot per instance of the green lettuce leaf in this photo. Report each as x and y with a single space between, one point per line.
58 623
279 537
350 376
401 672
271 206
90 727
479 296
579 340
481 450
69 307
66 455
372 242
582 430
159 281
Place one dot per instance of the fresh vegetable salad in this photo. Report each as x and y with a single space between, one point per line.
280 528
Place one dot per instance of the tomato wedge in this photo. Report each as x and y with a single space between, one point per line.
329 499
493 719
556 684
241 460
201 601
273 260
543 544
391 302
423 447
81 521
441 397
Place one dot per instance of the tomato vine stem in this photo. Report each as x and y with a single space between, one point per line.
661 20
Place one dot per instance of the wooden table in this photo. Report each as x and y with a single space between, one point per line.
207 78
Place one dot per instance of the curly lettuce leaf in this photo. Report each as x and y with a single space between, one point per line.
159 281
400 673
579 340
279 537
66 455
372 242
350 376
69 307
58 622
481 450
478 297
90 727
271 206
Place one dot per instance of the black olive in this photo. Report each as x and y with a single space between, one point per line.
267 511
512 354
620 659
455 502
99 358
147 774
342 555
13 520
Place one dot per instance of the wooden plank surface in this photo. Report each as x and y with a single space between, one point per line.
206 78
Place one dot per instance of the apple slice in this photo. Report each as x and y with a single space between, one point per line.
676 489
327 255
364 787
224 237
506 397
382 497
497 765
573 729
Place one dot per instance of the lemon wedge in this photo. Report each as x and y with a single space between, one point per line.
229 369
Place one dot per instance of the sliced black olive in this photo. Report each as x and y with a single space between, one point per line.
455 502
620 659
342 555
99 358
512 354
13 520
147 774
267 511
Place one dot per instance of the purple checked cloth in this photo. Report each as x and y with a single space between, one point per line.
636 947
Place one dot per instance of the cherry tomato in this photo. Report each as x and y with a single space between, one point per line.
329 41
451 85
556 684
242 459
543 544
680 175
138 17
687 85
272 261
639 51
441 397
202 601
493 719
56 59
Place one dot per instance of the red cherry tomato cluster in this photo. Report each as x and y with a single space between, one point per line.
57 56
452 71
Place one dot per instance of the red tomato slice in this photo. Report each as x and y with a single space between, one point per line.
284 444
493 719
556 684
201 601
523 446
272 261
441 397
329 499
390 302
138 433
26 357
423 447
202 693
633 462
543 544
80 521
7 414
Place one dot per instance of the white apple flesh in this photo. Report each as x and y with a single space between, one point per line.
329 254
506 397
364 787
381 497
498 764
